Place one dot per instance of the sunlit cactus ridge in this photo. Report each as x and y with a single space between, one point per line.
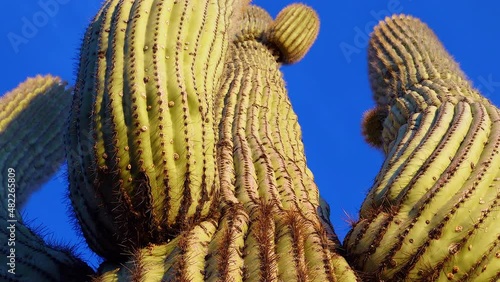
432 213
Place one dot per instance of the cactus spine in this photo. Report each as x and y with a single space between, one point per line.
432 214
142 167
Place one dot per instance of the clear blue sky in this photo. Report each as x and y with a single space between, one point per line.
329 88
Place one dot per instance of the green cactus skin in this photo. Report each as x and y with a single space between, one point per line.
141 142
432 213
32 146
35 259
257 122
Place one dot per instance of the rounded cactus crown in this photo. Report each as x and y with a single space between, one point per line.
294 32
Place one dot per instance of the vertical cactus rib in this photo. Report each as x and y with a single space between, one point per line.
257 120
80 147
259 253
431 213
225 252
149 71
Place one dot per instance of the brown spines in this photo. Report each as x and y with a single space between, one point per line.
85 150
268 165
293 32
265 245
263 169
373 125
141 142
224 260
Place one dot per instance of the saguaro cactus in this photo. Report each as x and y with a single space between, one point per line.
186 161
432 214
32 120
141 139
262 160
271 227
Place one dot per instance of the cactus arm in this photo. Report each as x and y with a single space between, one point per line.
35 259
32 121
293 32
431 213
273 225
263 165
259 124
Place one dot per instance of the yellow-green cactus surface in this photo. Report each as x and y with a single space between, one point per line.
273 225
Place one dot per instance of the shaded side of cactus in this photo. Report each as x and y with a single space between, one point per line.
32 119
35 260
432 213
141 142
